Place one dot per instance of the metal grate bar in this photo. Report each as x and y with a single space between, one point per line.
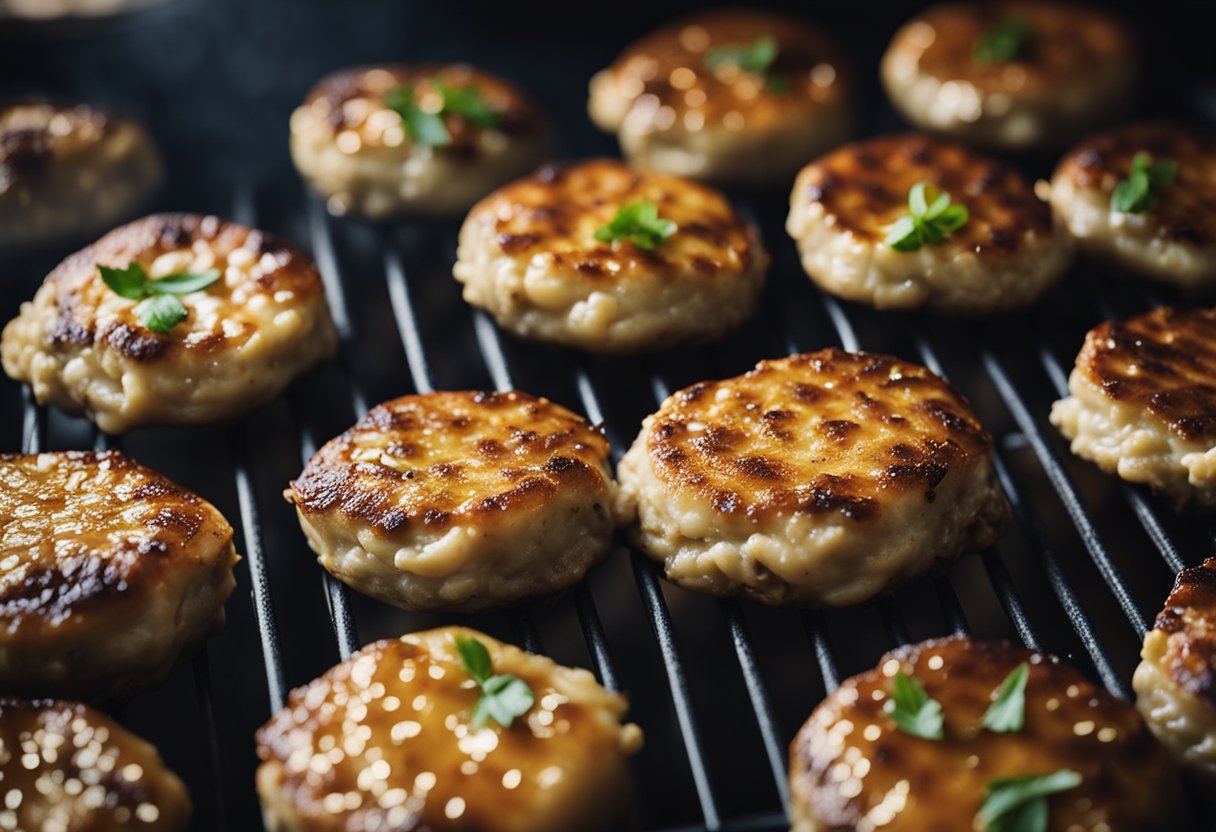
33 423
202 693
893 621
817 632
947 598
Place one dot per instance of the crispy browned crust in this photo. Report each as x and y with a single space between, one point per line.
103 530
56 753
1070 45
80 291
557 212
667 68
1189 620
828 431
850 756
34 136
864 188
349 99
429 460
1186 209
1163 361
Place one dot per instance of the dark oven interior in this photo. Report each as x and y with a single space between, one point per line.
719 687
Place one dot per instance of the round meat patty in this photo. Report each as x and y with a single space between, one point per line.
388 740
1172 237
459 500
843 205
853 767
109 573
1142 402
1176 680
86 348
66 767
732 96
824 479
66 171
379 141
1018 76
530 256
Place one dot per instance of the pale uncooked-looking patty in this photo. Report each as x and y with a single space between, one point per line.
825 479
384 741
1142 402
1174 241
529 256
66 171
82 347
1005 257
66 767
459 500
359 154
1078 69
853 768
109 573
1176 681
673 112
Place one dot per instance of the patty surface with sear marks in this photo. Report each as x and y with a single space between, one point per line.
108 573
852 767
459 500
528 254
821 478
82 346
398 713
67 766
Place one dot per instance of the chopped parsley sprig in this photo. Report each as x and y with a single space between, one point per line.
1007 713
912 709
756 57
159 308
1003 41
503 696
930 219
639 223
1019 804
1141 190
426 127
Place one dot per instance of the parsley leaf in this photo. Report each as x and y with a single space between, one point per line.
912 709
159 309
754 57
425 128
466 101
160 313
1007 713
639 223
503 697
1003 41
1141 190
930 219
1019 804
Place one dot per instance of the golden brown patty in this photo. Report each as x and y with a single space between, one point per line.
853 768
359 153
842 205
677 112
459 500
108 573
822 478
528 254
384 741
66 766
69 170
1175 239
82 346
1077 68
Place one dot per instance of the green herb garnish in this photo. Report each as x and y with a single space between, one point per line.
912 709
1019 804
1141 190
930 219
639 223
503 697
426 127
1007 712
159 308
756 57
1002 41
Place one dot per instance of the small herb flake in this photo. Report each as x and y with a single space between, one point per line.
503 697
468 102
1019 804
1007 713
1141 190
639 223
159 308
930 219
754 57
1003 41
912 709
426 127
